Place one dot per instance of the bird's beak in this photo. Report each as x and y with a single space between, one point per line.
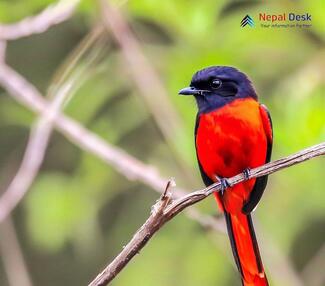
190 91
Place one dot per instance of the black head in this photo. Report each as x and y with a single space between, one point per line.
216 86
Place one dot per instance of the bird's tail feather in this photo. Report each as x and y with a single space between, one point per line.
245 249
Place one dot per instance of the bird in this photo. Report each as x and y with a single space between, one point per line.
233 134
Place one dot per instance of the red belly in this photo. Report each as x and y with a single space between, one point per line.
229 140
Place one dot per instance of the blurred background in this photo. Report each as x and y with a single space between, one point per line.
126 61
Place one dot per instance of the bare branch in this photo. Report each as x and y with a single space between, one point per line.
139 240
127 165
12 257
152 90
33 157
3 46
42 129
166 211
52 15
143 73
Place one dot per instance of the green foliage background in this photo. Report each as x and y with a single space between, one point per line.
80 212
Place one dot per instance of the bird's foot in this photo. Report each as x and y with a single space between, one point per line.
224 184
247 173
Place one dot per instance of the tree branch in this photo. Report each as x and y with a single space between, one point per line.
34 155
166 209
128 166
142 72
52 15
12 256
42 129
3 46
147 80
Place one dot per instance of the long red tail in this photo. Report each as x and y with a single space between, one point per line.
245 249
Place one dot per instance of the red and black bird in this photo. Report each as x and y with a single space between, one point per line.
233 133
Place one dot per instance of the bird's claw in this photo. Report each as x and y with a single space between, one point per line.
247 173
224 184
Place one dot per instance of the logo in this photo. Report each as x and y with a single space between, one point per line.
284 17
285 20
247 20
280 20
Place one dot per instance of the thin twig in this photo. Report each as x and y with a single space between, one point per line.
166 211
148 82
52 15
12 257
139 240
124 163
41 131
152 90
33 157
3 46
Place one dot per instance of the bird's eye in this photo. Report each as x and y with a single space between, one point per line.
216 83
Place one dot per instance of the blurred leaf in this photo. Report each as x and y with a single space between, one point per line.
151 32
235 6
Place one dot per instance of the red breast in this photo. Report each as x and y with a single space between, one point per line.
229 140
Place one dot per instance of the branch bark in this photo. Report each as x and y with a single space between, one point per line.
165 209
142 72
147 80
34 155
128 166
12 256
